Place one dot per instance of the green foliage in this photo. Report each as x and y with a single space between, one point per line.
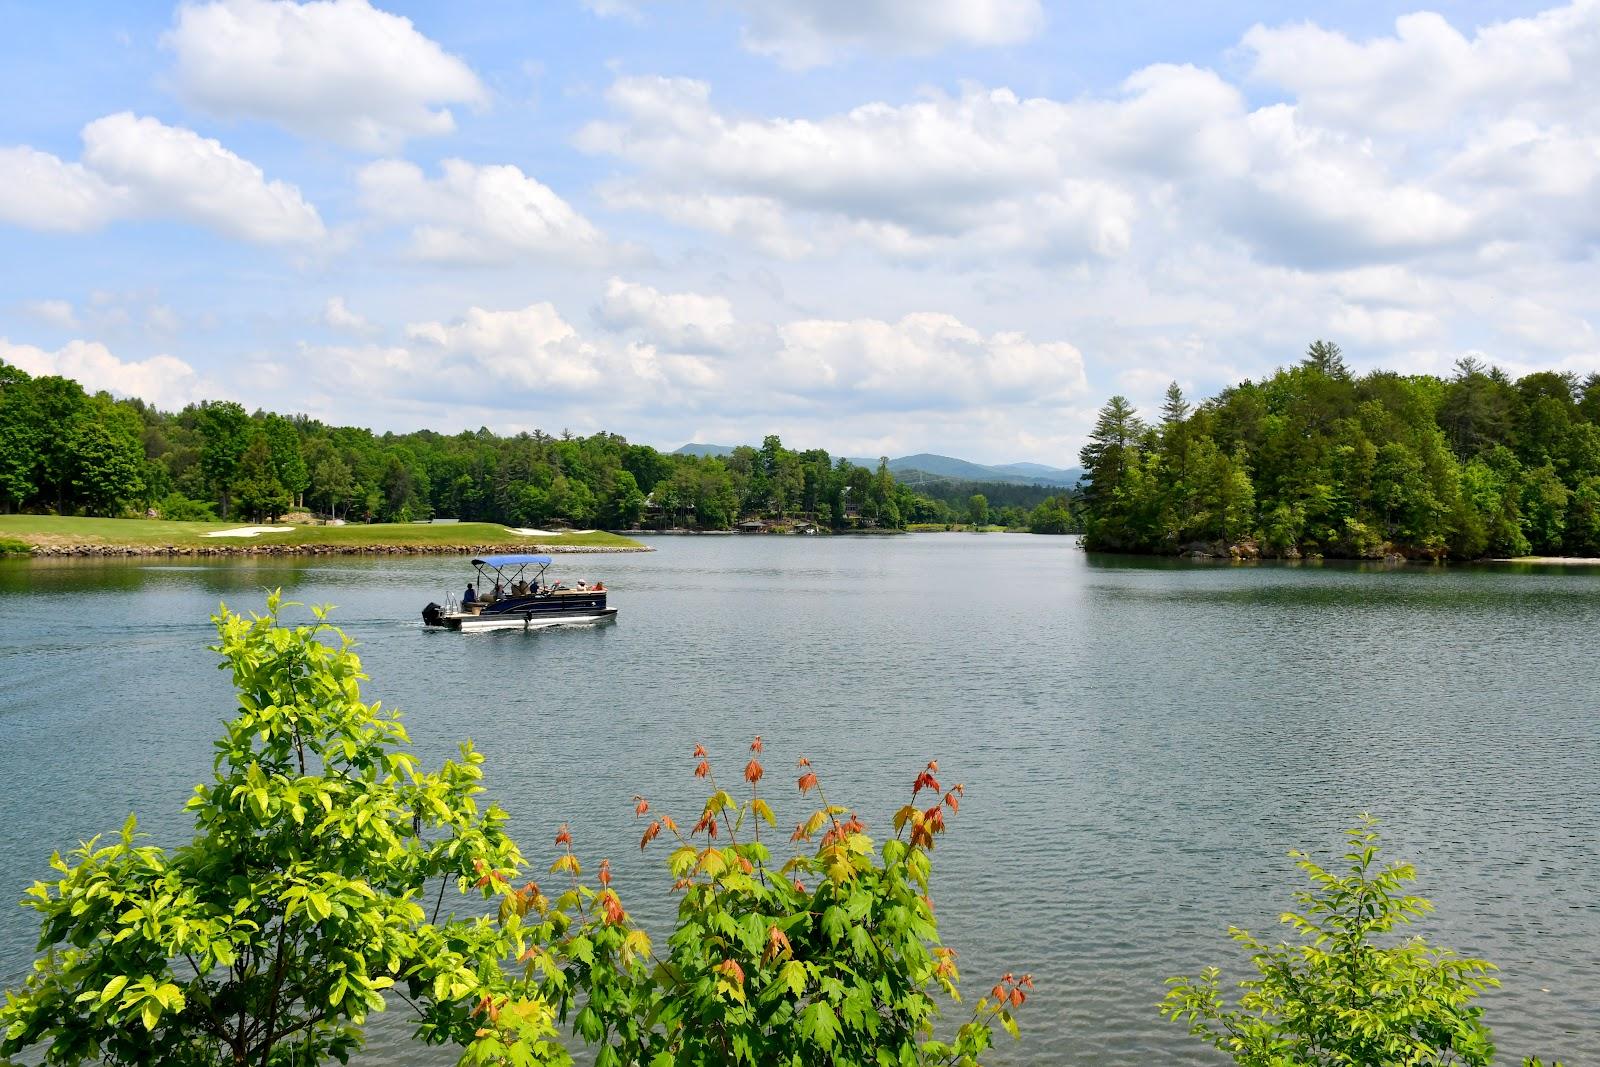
20 428
1315 461
1347 992
978 509
108 457
1053 516
225 432
179 508
320 847
829 957
258 492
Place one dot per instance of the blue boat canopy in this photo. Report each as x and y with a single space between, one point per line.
512 561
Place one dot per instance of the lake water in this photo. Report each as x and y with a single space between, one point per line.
1141 740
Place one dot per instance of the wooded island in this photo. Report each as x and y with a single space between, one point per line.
1315 461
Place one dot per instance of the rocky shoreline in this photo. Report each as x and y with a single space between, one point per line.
175 551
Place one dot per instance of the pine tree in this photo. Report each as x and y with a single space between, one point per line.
1175 409
1105 458
1327 357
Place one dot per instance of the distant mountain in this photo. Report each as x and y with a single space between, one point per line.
1039 470
694 449
947 468
952 469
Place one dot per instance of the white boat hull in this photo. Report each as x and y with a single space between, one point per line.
467 623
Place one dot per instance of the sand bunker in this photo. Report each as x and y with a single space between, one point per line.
532 533
247 531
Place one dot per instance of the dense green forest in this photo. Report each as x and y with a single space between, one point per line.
1316 461
67 451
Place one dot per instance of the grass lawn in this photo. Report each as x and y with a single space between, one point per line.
65 530
959 527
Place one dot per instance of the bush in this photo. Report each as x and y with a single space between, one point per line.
273 934
831 957
1341 997
179 508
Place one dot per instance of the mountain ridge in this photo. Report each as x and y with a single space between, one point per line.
949 468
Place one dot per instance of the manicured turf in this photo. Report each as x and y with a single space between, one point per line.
62 531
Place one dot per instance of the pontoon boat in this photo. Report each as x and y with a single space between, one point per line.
504 598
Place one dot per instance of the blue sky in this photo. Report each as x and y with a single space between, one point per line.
879 226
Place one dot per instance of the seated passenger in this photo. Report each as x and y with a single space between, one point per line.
470 596
520 588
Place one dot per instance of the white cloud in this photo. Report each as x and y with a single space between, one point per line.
615 9
679 321
675 356
981 174
165 381
41 192
1175 155
807 33
531 348
338 315
141 168
925 360
168 171
338 70
56 312
1429 77
478 214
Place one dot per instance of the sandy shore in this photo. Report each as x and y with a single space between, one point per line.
1552 561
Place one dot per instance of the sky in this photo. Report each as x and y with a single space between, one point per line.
874 226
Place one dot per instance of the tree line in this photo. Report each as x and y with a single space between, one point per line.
1317 461
68 451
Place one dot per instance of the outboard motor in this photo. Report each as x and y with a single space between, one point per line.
433 615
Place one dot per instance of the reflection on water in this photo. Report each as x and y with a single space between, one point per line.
1141 740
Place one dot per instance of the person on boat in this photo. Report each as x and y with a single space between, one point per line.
519 588
470 596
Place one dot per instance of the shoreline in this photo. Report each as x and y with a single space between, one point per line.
110 551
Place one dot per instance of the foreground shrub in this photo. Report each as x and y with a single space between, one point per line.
314 888
831 956
314 883
1342 996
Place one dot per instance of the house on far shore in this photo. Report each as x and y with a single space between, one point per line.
752 526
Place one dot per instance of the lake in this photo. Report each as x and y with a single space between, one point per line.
1141 740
